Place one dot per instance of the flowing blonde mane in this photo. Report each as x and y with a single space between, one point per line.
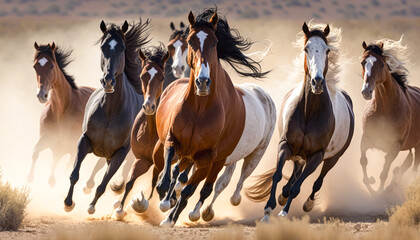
396 56
334 66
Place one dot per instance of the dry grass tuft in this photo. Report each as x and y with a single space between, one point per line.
408 214
13 202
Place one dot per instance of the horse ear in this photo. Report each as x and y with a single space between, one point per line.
52 46
364 45
305 29
172 26
103 26
214 19
36 46
381 45
141 55
327 30
165 57
125 26
191 18
181 24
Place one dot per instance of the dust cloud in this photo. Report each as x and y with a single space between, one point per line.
343 193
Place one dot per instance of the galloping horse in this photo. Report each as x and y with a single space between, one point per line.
392 113
110 112
177 66
209 120
316 123
62 117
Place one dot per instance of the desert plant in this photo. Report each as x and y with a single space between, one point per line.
408 213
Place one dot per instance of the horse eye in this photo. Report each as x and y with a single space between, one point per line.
306 50
189 42
328 51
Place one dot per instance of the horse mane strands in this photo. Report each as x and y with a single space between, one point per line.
334 63
397 57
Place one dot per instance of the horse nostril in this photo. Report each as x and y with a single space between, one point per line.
46 95
144 108
182 68
197 82
313 82
153 107
208 82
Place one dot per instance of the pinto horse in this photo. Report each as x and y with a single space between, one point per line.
177 66
110 111
208 120
62 117
316 123
391 114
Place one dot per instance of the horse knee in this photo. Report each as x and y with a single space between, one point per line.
294 191
363 161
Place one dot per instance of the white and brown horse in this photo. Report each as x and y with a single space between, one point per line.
392 111
316 123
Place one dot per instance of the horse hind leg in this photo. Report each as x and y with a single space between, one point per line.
389 158
91 182
56 159
39 146
398 172
118 184
297 170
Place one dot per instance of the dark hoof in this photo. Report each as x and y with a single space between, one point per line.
69 207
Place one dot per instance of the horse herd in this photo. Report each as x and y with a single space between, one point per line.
204 122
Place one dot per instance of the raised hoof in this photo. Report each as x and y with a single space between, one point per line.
208 214
140 206
51 181
164 205
91 209
87 190
235 199
116 204
282 200
194 216
167 223
283 213
69 208
265 219
308 205
120 213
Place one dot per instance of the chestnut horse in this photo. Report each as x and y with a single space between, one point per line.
110 112
392 113
208 120
316 123
177 66
62 117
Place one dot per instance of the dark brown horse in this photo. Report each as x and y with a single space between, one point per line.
209 120
316 123
110 111
392 112
62 117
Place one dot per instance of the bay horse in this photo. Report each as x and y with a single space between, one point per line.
62 116
208 120
110 111
316 123
393 108
177 66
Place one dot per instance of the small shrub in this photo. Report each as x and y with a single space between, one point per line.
408 213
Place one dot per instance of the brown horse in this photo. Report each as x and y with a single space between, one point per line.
177 65
62 117
209 120
316 123
392 113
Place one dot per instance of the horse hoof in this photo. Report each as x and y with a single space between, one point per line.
91 209
140 206
90 184
51 181
119 213
164 205
167 223
208 214
282 200
69 208
309 204
265 219
283 213
194 216
372 180
87 190
235 199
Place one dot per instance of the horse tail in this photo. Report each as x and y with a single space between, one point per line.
117 187
260 191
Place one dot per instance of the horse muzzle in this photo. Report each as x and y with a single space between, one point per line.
367 92
108 85
317 85
178 71
42 96
149 107
202 86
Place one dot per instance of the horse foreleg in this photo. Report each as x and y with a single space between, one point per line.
83 148
91 182
297 170
221 184
39 146
182 179
363 162
282 155
164 184
389 158
116 160
56 159
311 165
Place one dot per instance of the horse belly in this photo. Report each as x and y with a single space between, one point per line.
342 125
260 119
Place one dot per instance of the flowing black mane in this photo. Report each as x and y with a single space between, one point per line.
62 57
155 54
136 36
231 45
401 79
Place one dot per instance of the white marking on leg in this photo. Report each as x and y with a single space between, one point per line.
194 215
42 61
202 37
112 44
152 73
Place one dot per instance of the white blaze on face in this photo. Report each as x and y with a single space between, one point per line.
112 44
42 61
204 70
152 73
316 56
180 58
202 37
368 66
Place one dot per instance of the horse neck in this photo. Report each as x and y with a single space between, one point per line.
151 119
115 101
62 92
387 95
312 103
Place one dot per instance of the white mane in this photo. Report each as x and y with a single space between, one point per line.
396 55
